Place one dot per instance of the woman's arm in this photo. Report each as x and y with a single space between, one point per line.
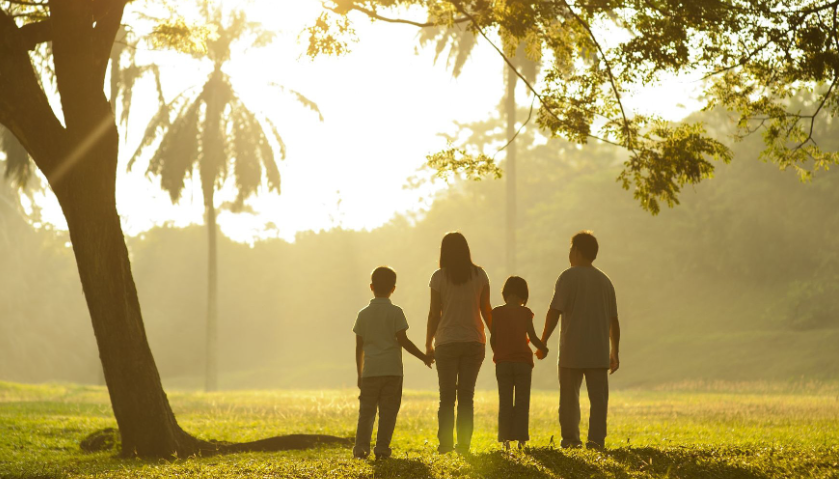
486 309
435 311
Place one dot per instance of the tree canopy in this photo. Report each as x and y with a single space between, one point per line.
749 55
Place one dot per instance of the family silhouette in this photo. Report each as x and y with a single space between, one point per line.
459 314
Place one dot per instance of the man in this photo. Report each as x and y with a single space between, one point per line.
585 299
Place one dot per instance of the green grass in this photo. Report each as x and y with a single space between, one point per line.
685 431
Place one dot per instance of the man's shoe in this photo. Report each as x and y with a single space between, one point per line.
381 457
570 445
444 450
594 445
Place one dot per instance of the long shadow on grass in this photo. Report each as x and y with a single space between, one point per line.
498 464
573 464
402 468
687 463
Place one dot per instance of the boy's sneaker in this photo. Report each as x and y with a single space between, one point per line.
444 450
570 445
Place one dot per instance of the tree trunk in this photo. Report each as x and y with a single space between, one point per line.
510 170
209 167
86 192
211 377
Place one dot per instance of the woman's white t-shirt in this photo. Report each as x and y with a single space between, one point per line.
461 320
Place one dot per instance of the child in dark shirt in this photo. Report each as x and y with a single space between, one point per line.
512 324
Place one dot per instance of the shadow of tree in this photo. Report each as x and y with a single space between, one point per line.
402 468
685 463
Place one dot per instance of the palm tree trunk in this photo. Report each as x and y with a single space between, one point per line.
211 377
213 149
510 170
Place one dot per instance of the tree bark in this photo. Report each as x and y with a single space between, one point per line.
510 170
86 193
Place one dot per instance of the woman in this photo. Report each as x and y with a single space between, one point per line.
459 297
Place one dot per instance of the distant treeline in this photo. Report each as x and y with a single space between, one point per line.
740 282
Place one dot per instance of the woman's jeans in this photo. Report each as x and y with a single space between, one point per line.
513 401
458 365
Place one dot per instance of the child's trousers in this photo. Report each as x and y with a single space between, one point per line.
385 394
513 401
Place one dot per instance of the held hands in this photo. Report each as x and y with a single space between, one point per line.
614 362
541 354
428 360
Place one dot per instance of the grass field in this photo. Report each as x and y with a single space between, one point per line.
687 431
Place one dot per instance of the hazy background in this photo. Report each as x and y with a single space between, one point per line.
738 283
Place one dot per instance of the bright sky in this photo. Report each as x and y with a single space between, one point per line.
383 106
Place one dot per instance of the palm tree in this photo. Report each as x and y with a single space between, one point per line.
215 132
461 42
19 172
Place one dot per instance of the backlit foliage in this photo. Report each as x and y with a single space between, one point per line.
176 34
457 162
756 54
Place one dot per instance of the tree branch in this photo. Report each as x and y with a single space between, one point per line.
105 13
108 15
24 107
31 34
374 15
28 3
511 140
584 24
523 79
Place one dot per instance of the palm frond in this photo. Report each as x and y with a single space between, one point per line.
460 41
158 126
463 42
19 168
128 77
245 154
302 99
277 137
178 151
266 151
